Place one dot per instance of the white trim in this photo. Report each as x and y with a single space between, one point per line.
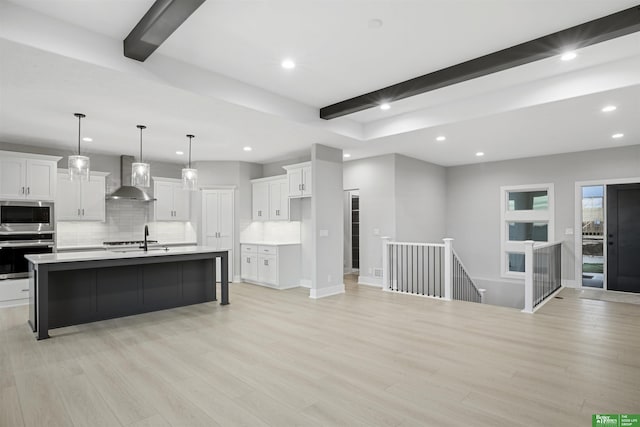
370 281
30 156
326 292
572 284
216 187
92 172
437 245
296 166
163 179
236 279
506 216
269 178
578 224
305 283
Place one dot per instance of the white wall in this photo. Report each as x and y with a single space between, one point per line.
275 168
473 200
327 217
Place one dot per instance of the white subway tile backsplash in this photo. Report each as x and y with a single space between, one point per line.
125 220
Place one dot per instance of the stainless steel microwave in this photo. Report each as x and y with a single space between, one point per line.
26 216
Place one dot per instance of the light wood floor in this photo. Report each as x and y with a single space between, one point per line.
364 358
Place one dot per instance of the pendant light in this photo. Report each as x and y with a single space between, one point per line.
189 175
140 172
78 164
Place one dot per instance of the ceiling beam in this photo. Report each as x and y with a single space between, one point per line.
160 21
589 33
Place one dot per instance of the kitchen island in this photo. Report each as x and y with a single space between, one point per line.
80 287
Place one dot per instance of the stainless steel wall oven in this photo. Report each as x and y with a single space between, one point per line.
25 228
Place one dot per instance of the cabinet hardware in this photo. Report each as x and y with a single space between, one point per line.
78 212
248 260
82 211
28 190
303 187
24 290
300 187
266 262
22 190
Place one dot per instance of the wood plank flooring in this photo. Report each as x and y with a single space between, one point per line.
278 358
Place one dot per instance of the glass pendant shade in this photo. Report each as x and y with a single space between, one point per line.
78 165
190 179
190 175
140 171
140 174
79 168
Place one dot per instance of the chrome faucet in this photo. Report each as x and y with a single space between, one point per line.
146 234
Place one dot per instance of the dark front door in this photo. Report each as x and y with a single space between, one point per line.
623 237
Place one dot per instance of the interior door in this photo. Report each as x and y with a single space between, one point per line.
225 224
623 237
210 215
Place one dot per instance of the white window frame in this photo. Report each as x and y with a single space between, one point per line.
506 216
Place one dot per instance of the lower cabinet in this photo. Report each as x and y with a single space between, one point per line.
276 266
14 292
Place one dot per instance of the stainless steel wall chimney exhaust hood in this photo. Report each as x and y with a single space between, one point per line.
127 191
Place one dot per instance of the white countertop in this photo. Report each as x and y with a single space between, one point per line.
269 243
112 254
100 246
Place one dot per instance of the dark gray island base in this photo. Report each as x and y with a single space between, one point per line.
74 288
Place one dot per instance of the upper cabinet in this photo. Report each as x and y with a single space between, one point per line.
299 178
172 200
270 199
81 200
27 178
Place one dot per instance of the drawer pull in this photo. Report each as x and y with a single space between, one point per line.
24 290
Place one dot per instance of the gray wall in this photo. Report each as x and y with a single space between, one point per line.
473 199
420 200
374 177
327 215
275 168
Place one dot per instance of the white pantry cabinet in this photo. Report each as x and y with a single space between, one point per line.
27 176
217 223
270 199
299 178
172 200
276 265
81 200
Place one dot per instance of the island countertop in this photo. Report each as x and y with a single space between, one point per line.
113 254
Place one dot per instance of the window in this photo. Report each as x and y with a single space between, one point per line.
526 214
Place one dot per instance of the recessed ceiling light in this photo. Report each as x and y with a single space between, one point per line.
617 135
609 108
441 138
87 139
346 155
179 153
479 154
568 56
385 106
247 148
288 64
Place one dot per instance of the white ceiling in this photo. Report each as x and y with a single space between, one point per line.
219 76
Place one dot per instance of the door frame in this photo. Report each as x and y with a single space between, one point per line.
348 246
578 223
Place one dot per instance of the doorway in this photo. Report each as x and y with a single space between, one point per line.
623 237
593 236
351 232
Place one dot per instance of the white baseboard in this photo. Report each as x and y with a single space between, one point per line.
370 281
305 283
326 292
236 279
570 283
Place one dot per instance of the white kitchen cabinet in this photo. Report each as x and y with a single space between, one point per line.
260 200
299 179
172 200
81 200
276 266
27 178
278 200
270 199
217 223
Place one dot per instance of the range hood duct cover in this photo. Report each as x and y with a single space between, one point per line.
128 192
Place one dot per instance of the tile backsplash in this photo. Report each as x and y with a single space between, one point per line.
125 220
